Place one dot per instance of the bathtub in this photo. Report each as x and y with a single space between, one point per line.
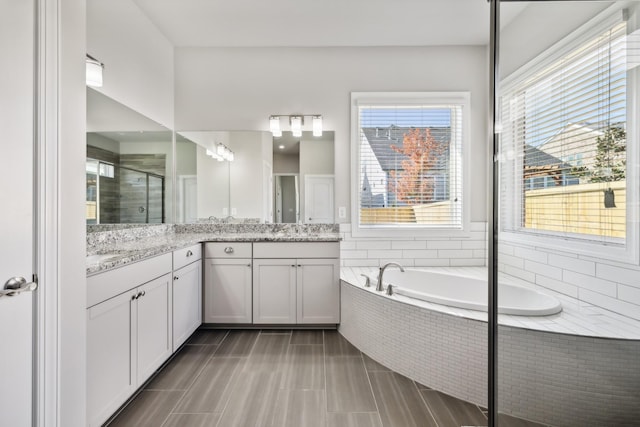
470 293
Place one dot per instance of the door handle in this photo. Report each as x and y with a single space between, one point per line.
17 285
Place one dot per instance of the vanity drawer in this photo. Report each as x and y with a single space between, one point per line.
296 250
185 256
103 286
228 250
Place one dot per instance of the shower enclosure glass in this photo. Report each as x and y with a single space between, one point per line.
117 194
565 212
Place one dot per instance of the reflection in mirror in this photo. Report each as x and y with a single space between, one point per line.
129 165
244 190
308 198
286 198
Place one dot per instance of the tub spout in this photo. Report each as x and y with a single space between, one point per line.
379 286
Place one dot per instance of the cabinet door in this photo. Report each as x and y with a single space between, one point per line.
318 291
227 291
110 379
153 332
187 302
274 291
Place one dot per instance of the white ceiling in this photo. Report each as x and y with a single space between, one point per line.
318 23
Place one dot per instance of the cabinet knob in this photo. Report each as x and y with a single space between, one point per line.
228 250
175 277
189 253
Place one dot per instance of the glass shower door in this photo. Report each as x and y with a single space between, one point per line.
155 199
566 214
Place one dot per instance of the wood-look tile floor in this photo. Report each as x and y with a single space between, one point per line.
275 378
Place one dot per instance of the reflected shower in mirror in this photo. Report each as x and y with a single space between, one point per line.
129 165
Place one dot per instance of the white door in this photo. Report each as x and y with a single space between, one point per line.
16 216
187 199
318 199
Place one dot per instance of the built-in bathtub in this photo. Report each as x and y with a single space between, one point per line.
470 293
579 367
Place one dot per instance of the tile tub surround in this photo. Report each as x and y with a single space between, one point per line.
549 377
129 244
468 250
593 280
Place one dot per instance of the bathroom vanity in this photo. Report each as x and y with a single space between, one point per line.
272 283
146 294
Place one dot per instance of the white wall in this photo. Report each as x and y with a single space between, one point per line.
68 202
253 150
99 141
138 58
286 163
538 26
213 185
238 88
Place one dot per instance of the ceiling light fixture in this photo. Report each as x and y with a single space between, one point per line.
93 71
296 122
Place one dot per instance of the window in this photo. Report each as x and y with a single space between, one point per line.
408 159
564 141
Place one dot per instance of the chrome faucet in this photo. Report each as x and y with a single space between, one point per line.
379 286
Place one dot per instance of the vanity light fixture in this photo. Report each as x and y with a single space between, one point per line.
221 153
93 71
296 122
317 125
296 125
274 126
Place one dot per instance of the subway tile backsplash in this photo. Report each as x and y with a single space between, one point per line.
417 251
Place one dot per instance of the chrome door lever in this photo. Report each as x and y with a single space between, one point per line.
17 285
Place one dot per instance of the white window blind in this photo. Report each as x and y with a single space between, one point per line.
410 164
563 143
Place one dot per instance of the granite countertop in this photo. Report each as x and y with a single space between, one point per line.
111 249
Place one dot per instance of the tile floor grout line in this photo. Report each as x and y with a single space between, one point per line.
425 403
232 381
204 365
326 397
371 387
175 405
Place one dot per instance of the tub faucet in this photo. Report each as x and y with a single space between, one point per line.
379 286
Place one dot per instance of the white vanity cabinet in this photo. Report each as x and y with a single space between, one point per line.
274 291
187 293
296 283
227 287
128 332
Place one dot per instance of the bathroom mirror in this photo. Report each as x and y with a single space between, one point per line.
263 183
129 165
